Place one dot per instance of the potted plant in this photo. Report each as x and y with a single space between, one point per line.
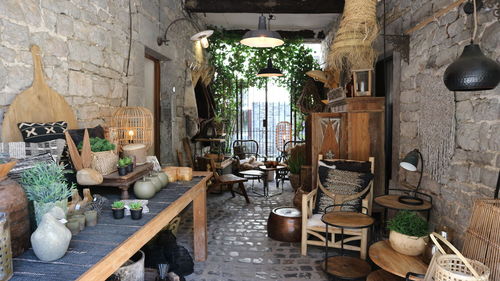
408 233
130 164
104 159
218 123
46 186
122 167
118 208
136 210
295 161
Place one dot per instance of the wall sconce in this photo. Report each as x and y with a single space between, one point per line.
200 36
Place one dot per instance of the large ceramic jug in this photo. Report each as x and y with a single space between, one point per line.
51 239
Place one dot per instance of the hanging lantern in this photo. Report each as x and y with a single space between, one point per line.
133 124
269 71
472 71
362 79
262 37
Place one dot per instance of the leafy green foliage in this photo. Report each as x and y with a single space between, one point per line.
128 160
236 66
122 163
408 223
135 206
118 205
98 145
46 183
297 159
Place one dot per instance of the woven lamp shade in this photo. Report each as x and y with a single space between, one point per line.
133 124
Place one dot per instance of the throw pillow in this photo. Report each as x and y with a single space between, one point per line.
27 163
353 166
21 150
340 182
77 135
40 132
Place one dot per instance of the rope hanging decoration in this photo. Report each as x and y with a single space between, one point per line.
352 45
310 101
133 124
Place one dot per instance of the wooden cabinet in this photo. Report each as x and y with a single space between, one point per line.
353 130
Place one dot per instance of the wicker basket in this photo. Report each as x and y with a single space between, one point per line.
104 162
455 267
5 250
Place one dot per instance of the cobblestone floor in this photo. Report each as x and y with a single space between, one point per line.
238 246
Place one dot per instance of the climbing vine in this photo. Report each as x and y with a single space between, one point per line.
236 64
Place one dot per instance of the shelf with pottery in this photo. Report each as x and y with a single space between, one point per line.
98 251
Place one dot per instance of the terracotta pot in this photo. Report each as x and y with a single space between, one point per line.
407 245
294 180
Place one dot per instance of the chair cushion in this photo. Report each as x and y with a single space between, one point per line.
315 221
341 182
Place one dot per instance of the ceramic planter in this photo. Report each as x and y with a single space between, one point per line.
51 239
156 182
81 220
90 218
74 226
144 189
122 171
407 245
163 178
130 168
136 214
118 213
43 208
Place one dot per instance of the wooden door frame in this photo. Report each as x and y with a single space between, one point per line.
157 103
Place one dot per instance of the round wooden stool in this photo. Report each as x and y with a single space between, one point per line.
285 224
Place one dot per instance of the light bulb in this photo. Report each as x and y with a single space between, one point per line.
131 133
204 42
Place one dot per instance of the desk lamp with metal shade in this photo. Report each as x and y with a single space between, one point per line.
410 163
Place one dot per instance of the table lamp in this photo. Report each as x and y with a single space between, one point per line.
410 163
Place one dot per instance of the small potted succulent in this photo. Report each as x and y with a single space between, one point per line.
130 164
136 210
408 233
118 208
122 167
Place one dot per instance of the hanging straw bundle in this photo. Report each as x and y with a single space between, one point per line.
310 100
352 46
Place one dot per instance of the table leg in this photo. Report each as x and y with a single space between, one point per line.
200 226
124 194
266 184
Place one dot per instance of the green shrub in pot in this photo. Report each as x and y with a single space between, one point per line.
98 145
408 233
295 161
46 186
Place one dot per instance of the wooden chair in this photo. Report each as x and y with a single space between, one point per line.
313 226
228 180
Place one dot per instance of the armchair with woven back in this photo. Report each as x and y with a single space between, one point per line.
348 185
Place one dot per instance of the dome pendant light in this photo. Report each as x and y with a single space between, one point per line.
262 37
472 71
269 71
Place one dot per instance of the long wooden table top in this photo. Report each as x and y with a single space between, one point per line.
96 252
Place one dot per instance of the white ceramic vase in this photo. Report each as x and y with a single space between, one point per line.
51 239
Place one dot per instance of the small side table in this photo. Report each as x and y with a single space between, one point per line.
382 254
266 171
253 175
346 267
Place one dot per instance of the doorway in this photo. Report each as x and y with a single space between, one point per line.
152 98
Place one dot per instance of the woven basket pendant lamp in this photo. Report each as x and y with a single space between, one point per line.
133 124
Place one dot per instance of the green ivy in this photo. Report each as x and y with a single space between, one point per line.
408 223
236 64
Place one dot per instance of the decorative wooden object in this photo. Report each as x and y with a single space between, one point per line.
391 261
283 134
134 124
362 79
14 202
39 103
5 169
482 238
357 125
124 182
171 173
179 173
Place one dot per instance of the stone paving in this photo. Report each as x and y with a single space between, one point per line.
238 246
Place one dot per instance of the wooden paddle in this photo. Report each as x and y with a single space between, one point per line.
39 104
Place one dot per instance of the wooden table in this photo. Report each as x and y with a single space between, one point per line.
96 252
124 182
382 254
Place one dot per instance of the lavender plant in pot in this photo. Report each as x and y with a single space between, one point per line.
408 233
136 210
118 208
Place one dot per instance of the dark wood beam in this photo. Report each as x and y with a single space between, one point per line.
266 6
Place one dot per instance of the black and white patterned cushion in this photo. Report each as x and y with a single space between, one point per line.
21 150
40 132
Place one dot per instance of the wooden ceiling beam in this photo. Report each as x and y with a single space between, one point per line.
266 6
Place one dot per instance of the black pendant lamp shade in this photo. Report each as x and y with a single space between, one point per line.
472 71
269 71
262 37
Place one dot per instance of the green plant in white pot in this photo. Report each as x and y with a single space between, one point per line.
408 233
46 186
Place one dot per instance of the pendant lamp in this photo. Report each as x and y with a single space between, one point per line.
269 71
262 37
472 71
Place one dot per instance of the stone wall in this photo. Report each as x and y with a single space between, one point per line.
85 46
427 110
